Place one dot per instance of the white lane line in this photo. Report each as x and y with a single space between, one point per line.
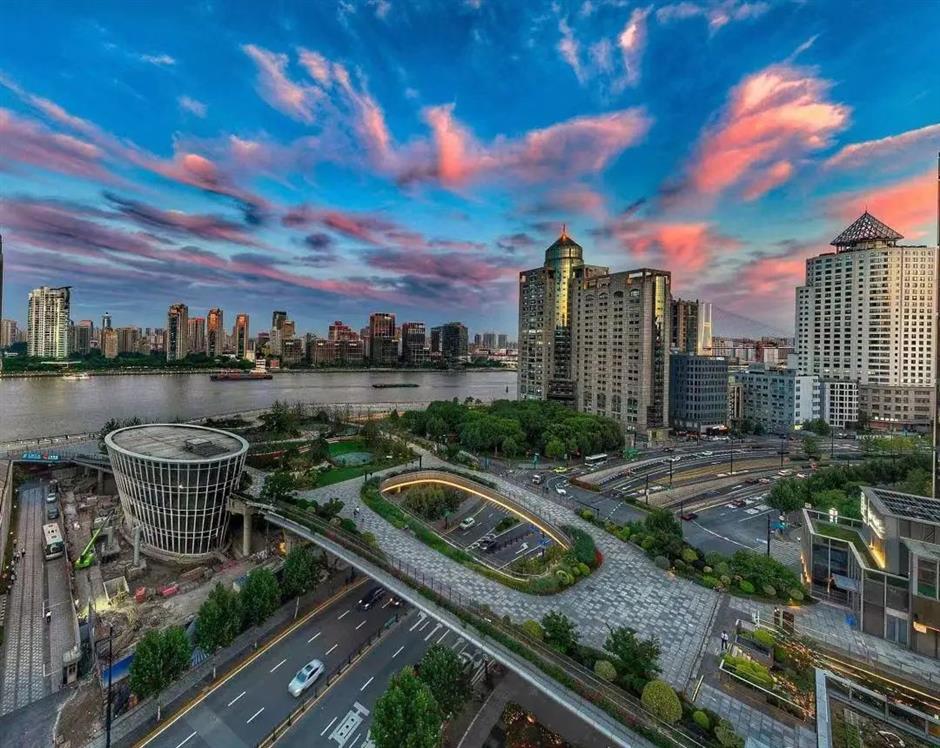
425 624
254 715
398 651
328 726
344 614
417 623
387 603
236 698
360 625
443 636
332 648
186 740
432 632
278 664
355 740
366 684
314 636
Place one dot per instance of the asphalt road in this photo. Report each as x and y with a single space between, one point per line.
518 541
245 708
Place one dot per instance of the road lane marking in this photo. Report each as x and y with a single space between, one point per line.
187 739
328 726
387 603
366 684
421 616
425 625
443 636
360 625
433 631
236 698
254 715
332 648
278 664
343 615
355 740
398 651
314 636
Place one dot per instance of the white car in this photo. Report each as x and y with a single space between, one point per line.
305 678
706 454
560 490
467 523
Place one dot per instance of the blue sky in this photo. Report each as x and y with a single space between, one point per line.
339 159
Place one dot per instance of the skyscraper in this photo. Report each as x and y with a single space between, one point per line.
83 334
241 333
106 321
489 341
691 326
197 335
340 331
278 320
215 333
8 332
620 325
502 340
177 332
48 322
109 343
865 319
544 325
383 346
454 343
414 343
128 339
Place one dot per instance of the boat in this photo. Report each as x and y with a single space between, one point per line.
394 384
75 377
240 376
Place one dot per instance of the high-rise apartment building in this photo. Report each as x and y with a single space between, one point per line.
82 335
47 322
177 332
106 321
197 335
8 332
383 345
489 341
778 399
545 370
691 326
414 343
340 331
502 341
454 343
698 392
109 342
215 333
241 333
128 339
620 327
865 315
436 341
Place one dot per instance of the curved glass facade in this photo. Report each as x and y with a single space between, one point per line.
174 481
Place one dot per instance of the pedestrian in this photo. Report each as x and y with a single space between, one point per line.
48 616
724 640
23 553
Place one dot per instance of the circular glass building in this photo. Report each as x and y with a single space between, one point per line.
174 481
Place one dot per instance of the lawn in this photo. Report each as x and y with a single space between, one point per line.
351 445
840 532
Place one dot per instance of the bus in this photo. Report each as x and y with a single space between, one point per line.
53 547
594 460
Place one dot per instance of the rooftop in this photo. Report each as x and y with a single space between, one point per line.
907 505
866 230
177 441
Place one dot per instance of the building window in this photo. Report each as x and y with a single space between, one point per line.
927 578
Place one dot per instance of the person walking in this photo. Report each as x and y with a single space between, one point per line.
724 640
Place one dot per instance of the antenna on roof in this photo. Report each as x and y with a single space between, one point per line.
564 230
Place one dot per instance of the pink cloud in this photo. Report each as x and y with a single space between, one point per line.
718 14
277 88
29 142
906 145
776 115
632 43
908 206
681 247
569 49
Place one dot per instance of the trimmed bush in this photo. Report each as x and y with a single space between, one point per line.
563 577
679 564
533 629
585 569
575 571
586 514
725 580
796 595
764 638
701 719
726 736
722 568
623 534
605 669
647 542
707 569
746 587
662 562
662 701
689 555
710 582
769 590
750 670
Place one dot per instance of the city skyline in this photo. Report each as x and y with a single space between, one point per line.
332 172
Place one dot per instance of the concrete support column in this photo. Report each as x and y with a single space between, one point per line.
100 488
246 532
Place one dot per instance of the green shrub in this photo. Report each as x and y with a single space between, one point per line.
750 670
763 637
725 580
533 629
722 568
575 571
702 720
689 555
796 595
707 569
726 736
710 582
585 569
586 514
648 542
605 669
769 591
623 534
584 549
611 527
563 577
746 587
662 562
679 564
662 701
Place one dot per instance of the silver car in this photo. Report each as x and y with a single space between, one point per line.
305 678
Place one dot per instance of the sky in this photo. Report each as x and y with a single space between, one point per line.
337 159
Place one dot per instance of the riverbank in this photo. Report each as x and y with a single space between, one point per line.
277 372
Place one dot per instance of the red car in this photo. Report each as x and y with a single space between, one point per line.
688 516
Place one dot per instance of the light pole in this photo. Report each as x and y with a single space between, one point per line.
110 674
731 452
768 534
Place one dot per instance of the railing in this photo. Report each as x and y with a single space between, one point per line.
505 641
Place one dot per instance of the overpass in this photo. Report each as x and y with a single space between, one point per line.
615 714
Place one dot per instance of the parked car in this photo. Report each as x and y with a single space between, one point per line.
52 512
688 516
372 597
537 479
763 480
560 469
51 498
305 678
739 503
467 523
560 490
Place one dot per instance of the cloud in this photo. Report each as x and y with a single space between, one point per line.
718 14
160 60
632 43
909 206
193 106
274 86
28 142
569 49
902 147
772 119
572 200
515 242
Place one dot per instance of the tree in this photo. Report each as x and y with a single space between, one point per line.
444 673
637 660
811 447
278 486
662 520
917 482
219 619
786 496
662 701
555 449
259 597
301 571
160 658
560 632
817 426
407 715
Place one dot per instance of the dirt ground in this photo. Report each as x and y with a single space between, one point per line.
80 717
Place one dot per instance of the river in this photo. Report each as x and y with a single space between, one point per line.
45 406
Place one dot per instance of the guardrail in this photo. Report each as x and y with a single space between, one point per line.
590 696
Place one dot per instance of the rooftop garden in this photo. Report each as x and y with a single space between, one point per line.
849 534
